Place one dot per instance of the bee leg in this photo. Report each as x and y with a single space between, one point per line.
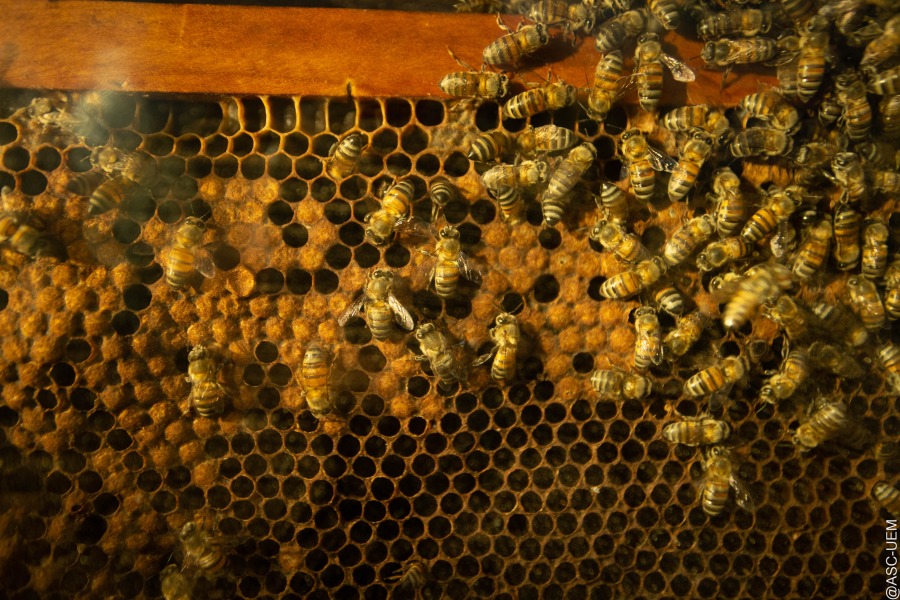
503 25
725 78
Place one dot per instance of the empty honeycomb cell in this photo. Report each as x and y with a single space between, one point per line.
338 256
16 158
267 143
126 231
187 146
269 281
47 159
32 182
241 145
8 133
323 189
225 167
253 167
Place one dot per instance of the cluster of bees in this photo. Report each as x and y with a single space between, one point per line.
831 125
820 123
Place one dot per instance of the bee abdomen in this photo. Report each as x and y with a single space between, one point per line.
180 267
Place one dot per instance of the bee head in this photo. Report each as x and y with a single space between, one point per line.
449 232
423 331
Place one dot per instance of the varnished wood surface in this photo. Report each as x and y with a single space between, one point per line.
204 49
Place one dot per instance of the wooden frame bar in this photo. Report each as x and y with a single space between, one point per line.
206 49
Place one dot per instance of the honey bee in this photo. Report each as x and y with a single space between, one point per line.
763 283
771 107
450 264
512 47
545 139
314 374
842 325
813 250
814 41
627 284
605 91
827 421
697 431
892 288
719 479
846 237
505 336
761 141
479 6
887 182
439 355
884 83
613 203
855 109
885 46
200 551
783 241
625 246
57 112
648 60
687 238
781 205
343 157
203 375
813 158
792 373
717 254
875 153
509 199
382 307
695 152
613 33
579 16
889 111
669 300
718 378
394 214
687 332
699 116
723 287
837 360
731 204
613 384
725 53
490 145
667 12
185 256
874 249
745 22
643 161
889 355
647 343
174 585
790 316
474 84
412 576
887 496
553 96
866 302
21 236
566 175
829 109
442 193
135 167
527 172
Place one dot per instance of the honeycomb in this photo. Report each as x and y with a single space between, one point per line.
530 490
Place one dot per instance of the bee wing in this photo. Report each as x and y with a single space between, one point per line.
661 161
467 270
204 263
680 71
415 226
401 315
352 310
742 494
486 357
716 399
